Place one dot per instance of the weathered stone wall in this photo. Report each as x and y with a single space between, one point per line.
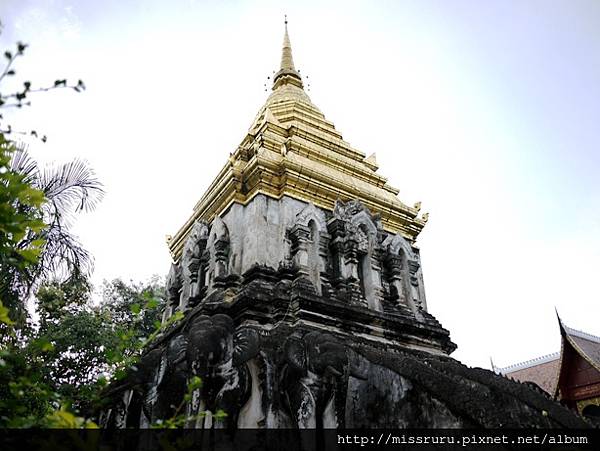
258 231
294 377
345 254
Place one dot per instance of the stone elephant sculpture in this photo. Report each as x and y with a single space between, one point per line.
171 383
218 355
173 287
158 382
314 379
143 376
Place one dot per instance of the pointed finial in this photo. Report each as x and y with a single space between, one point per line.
285 19
287 62
561 326
287 71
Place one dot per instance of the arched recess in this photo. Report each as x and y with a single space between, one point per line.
218 248
405 272
173 290
312 213
313 263
190 262
368 269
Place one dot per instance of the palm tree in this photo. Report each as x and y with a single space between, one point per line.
68 189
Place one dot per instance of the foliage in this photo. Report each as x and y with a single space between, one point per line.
37 206
135 305
79 336
77 348
26 399
33 206
92 343
67 189
51 374
135 312
20 216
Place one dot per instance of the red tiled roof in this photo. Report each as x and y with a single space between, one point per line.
587 345
543 371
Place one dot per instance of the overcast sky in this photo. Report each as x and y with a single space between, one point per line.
487 112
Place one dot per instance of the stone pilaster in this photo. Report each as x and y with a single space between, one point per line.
221 258
300 237
413 267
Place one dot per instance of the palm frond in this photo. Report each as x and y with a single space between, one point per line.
71 186
22 163
63 255
68 188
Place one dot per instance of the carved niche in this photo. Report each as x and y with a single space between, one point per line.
191 267
218 247
356 253
173 290
309 245
405 273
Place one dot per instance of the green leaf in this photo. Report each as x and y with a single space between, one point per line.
135 309
220 414
4 318
29 255
63 419
178 315
32 196
38 243
43 345
194 384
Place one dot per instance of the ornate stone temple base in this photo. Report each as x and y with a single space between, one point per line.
297 378
281 348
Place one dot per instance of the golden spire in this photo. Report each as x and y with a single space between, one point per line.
287 62
287 73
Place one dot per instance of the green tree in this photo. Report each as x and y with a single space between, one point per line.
135 313
48 370
20 216
79 335
67 189
37 205
33 207
135 305
90 343
78 347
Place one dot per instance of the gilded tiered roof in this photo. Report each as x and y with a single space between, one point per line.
291 149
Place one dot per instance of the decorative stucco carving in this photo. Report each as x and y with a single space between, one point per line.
298 378
309 239
218 246
357 252
190 263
